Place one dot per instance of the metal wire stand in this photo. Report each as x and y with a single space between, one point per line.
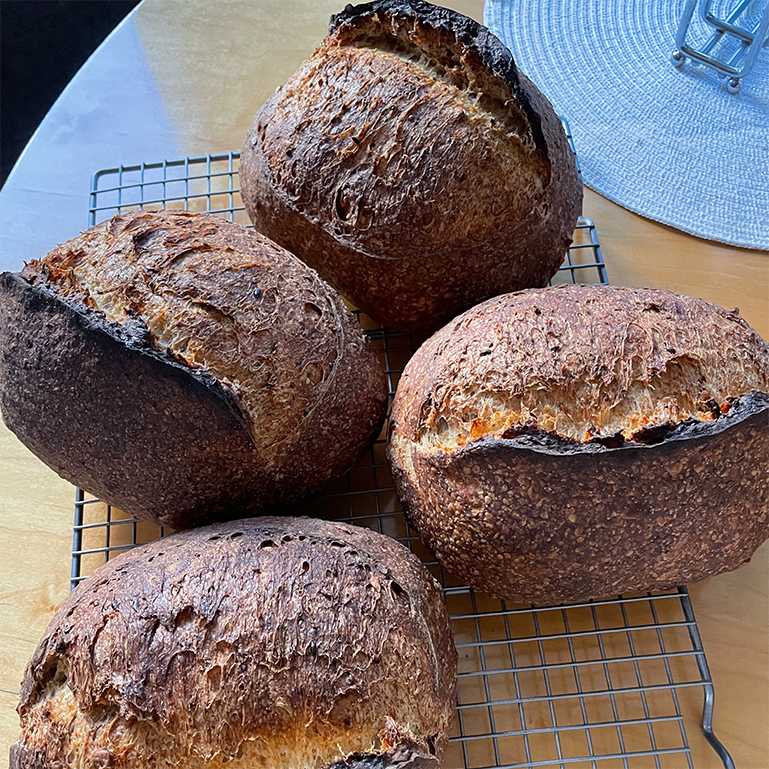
745 26
609 682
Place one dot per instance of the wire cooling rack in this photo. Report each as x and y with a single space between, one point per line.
603 683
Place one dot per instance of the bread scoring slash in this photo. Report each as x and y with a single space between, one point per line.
584 441
183 367
413 165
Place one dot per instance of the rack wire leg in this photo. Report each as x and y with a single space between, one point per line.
709 700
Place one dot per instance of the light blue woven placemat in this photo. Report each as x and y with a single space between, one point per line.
672 146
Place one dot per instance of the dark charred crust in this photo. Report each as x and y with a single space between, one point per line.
591 525
21 758
753 406
406 756
669 485
132 336
459 35
187 648
325 168
122 385
70 411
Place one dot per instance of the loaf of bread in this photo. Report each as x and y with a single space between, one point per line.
272 643
584 441
413 166
184 368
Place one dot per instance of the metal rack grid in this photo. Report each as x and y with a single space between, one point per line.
610 683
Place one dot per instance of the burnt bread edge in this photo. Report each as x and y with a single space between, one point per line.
133 335
406 755
215 405
749 407
726 500
489 50
23 758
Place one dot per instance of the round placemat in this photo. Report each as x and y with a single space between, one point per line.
671 145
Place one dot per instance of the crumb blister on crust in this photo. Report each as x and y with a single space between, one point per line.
361 164
583 441
174 363
258 643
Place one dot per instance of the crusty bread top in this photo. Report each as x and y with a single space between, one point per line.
217 297
362 161
399 109
588 364
255 644
452 48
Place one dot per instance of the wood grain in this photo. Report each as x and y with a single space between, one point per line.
210 65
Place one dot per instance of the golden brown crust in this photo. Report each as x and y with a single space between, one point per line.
586 363
224 368
461 51
518 454
258 643
362 161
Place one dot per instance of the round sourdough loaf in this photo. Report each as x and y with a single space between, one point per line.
413 166
255 644
584 441
182 367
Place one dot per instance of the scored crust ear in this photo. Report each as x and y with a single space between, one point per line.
132 334
114 395
403 756
460 50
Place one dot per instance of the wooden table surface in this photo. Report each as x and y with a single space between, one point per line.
185 77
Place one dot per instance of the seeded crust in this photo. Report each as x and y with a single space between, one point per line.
185 368
260 643
583 441
407 147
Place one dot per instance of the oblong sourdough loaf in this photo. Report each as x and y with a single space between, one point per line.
413 166
255 644
583 441
183 367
